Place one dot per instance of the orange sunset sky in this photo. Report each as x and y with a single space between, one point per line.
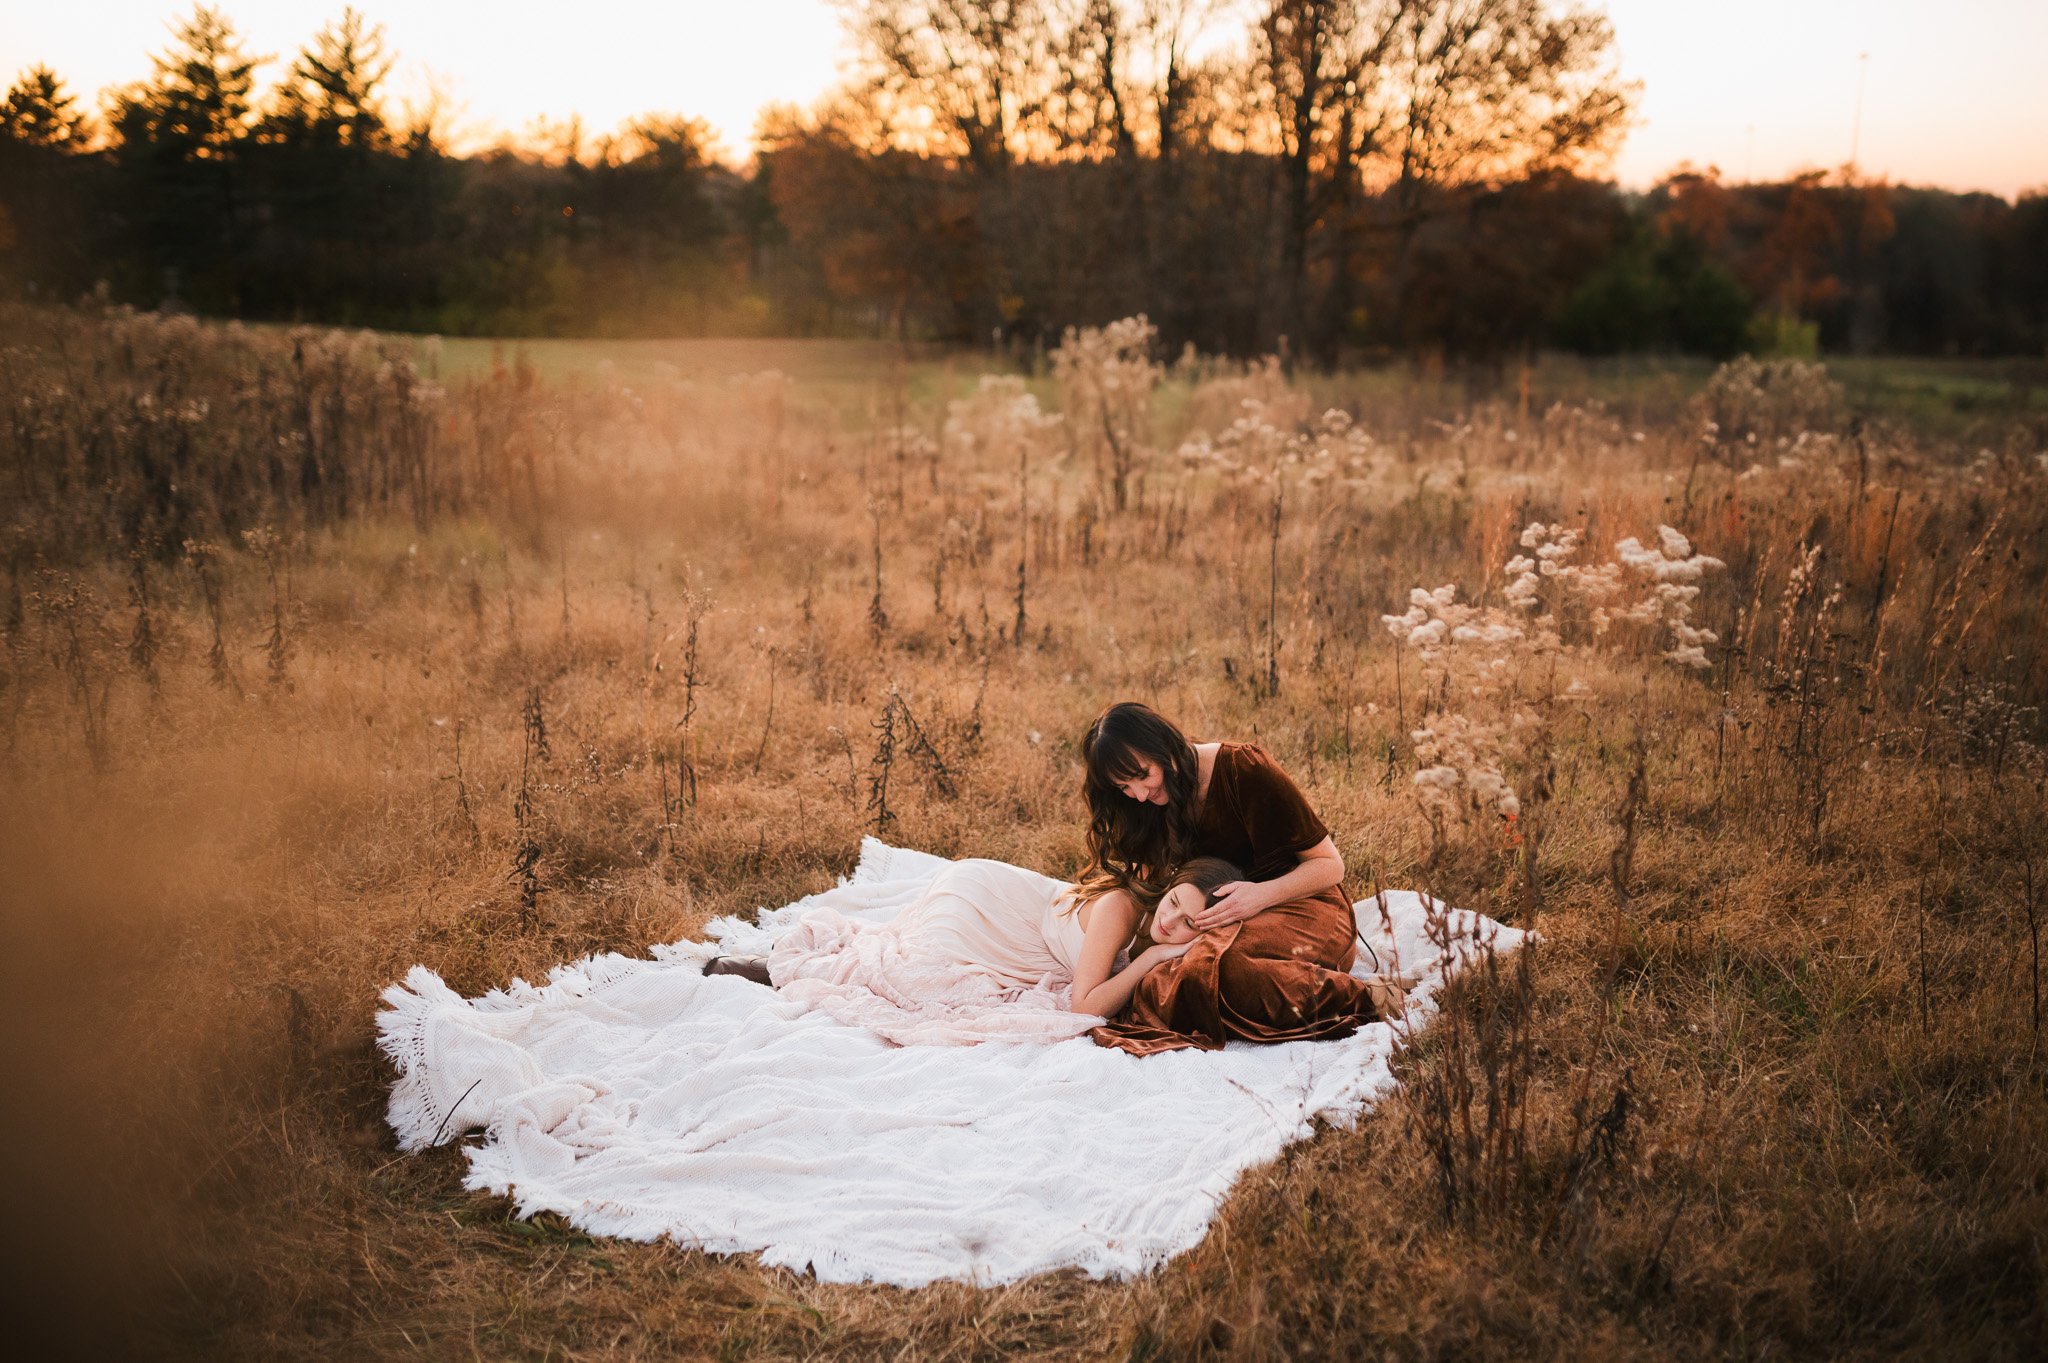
1952 92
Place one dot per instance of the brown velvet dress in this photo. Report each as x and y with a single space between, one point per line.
1281 975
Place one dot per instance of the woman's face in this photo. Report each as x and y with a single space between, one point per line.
1150 787
1170 924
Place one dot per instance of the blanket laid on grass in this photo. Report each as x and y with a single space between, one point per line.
638 1097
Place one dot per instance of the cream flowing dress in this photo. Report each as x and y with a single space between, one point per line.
987 953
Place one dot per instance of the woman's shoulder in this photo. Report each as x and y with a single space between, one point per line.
1244 757
1251 773
1237 767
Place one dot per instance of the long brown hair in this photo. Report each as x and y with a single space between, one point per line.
1131 845
1206 874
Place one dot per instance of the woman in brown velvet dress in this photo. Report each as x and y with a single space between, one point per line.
1274 960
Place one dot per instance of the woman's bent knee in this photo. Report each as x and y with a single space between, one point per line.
1304 931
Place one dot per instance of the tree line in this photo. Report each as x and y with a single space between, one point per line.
1340 179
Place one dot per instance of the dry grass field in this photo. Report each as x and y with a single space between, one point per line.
328 654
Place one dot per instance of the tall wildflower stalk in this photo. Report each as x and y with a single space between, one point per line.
878 617
277 645
69 607
527 851
143 644
463 807
881 766
1489 655
1107 377
204 556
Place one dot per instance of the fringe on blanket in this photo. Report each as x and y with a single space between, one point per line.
415 1116
421 1117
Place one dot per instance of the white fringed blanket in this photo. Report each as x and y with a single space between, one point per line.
640 1098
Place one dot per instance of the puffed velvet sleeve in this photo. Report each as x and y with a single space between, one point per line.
1278 821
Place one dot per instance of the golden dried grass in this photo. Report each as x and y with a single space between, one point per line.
1832 1142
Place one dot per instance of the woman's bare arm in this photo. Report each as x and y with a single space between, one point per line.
1111 920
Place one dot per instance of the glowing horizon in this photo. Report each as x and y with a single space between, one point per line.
1768 91
1947 101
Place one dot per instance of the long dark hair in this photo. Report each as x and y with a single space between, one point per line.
1204 873
1131 845
1207 874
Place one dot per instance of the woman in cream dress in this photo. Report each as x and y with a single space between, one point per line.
989 952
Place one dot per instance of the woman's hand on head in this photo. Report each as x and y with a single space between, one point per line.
1235 901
